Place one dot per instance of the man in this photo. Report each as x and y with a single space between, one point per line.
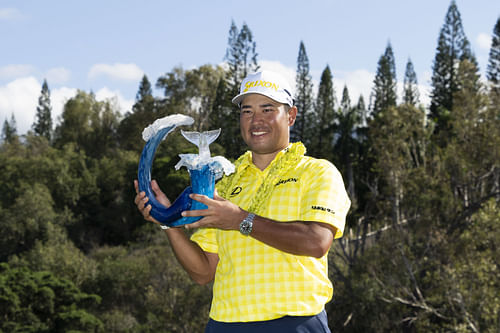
265 236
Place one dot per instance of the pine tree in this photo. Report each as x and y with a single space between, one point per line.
9 130
362 111
145 90
320 135
345 103
143 113
303 95
384 90
493 69
453 47
410 95
248 51
43 123
241 56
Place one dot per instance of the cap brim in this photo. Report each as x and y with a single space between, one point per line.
237 100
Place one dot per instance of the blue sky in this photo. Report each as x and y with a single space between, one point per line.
106 46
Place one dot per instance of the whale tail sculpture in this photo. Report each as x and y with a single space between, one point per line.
202 140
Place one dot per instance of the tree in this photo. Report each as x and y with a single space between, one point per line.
40 302
43 122
303 95
89 123
241 56
9 130
453 47
321 131
493 69
384 90
143 113
410 94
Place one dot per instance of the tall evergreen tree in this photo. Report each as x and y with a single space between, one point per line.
241 56
410 94
143 113
321 133
145 90
303 95
384 89
345 103
9 129
453 47
493 69
43 122
362 111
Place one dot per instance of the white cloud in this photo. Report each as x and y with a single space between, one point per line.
129 72
116 97
10 72
359 82
20 97
10 14
57 75
287 72
483 40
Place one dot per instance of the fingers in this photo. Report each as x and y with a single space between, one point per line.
200 198
156 188
194 213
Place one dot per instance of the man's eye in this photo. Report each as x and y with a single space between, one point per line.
268 110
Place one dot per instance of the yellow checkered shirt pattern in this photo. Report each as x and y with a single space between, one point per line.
254 281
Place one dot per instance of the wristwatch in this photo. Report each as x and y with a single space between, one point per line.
247 224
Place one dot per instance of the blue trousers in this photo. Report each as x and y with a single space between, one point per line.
287 324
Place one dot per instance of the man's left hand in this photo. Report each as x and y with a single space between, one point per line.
220 213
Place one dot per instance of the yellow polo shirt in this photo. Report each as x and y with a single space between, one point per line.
254 281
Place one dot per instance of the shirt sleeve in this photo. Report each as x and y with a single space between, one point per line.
324 198
206 239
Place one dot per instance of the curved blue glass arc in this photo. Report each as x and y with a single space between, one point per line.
202 182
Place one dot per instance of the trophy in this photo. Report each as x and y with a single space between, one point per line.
203 169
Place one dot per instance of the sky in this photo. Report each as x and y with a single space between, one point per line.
107 46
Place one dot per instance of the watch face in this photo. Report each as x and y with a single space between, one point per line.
246 225
244 228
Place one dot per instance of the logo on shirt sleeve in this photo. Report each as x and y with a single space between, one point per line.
325 209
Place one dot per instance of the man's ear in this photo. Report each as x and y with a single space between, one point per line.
292 115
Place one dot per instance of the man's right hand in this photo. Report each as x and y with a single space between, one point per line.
141 200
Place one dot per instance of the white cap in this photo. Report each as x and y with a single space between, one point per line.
266 83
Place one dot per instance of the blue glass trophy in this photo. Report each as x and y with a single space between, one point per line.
203 169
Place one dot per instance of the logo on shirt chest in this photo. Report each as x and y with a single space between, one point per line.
284 181
236 191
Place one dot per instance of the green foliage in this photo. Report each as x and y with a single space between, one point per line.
89 124
168 302
493 69
453 47
304 98
384 84
241 56
43 119
9 130
319 134
39 302
410 94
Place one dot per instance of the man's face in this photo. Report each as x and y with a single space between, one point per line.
264 124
